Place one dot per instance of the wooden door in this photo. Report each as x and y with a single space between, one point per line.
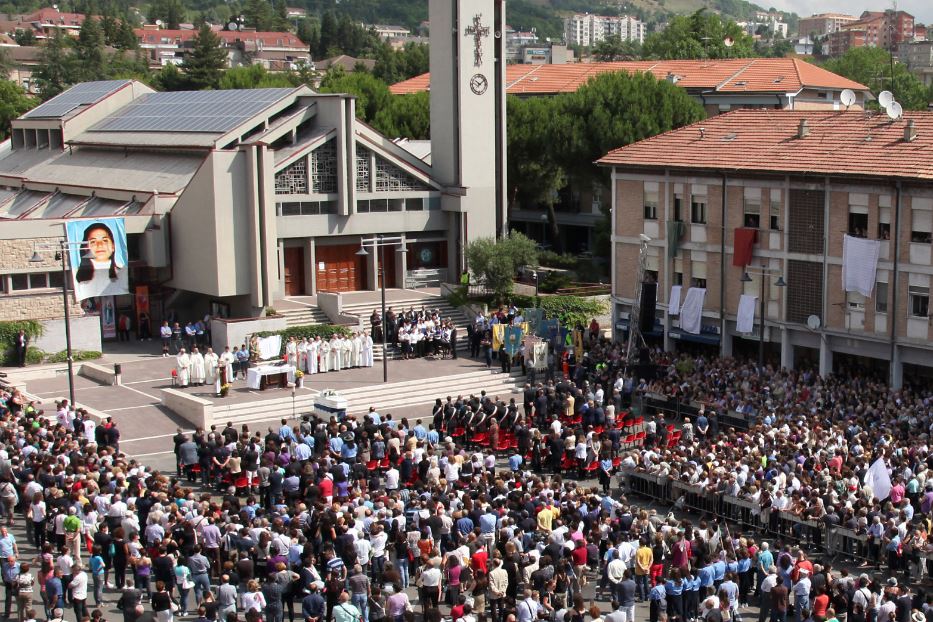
339 268
294 271
389 267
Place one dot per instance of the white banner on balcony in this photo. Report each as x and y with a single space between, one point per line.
691 313
859 264
745 319
673 304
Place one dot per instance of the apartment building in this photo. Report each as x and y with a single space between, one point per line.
918 56
777 192
884 29
587 30
823 23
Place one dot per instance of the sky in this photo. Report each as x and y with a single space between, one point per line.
922 10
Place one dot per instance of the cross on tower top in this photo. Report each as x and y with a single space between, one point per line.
478 32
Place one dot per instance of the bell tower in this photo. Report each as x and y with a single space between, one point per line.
468 139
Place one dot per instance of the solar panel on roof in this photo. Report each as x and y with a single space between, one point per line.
83 94
191 111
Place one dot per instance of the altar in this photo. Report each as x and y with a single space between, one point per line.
265 376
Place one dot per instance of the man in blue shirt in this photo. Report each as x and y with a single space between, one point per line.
420 432
433 437
465 525
312 605
7 544
285 432
515 462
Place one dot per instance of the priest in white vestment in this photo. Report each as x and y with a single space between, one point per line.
313 347
227 359
183 368
356 350
211 361
198 372
291 352
324 356
367 348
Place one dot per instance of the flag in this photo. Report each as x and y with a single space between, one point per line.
878 479
513 339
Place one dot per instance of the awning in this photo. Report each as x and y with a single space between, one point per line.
711 339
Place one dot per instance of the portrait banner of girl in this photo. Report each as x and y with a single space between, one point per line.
98 257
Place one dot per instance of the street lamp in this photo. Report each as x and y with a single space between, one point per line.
746 278
60 251
379 243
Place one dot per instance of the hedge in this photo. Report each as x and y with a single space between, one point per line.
326 331
35 356
76 355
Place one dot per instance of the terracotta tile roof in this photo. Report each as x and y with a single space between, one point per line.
852 143
752 75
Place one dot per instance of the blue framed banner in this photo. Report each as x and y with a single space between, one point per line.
97 250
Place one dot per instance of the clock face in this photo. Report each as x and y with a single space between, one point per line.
426 255
479 84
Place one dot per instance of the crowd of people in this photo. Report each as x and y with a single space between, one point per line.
416 333
487 506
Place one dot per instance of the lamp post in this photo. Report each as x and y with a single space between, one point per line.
379 244
746 278
60 251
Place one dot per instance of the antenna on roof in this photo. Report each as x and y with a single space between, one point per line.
847 97
885 98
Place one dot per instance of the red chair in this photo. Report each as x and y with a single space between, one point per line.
592 466
597 430
372 465
616 462
384 463
479 438
568 463
195 468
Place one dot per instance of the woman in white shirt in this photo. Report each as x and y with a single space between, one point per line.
38 514
252 599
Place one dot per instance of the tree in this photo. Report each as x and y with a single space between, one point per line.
125 38
171 12
701 35
25 37
309 31
53 73
254 77
204 66
535 176
90 59
259 15
13 102
396 65
169 79
872 67
615 49
405 116
372 94
496 262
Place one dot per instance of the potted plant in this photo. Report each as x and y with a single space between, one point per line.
299 378
224 389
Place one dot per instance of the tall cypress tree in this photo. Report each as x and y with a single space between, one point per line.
89 52
206 62
54 71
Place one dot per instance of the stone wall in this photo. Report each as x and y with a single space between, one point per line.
37 304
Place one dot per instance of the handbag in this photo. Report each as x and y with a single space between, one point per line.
187 584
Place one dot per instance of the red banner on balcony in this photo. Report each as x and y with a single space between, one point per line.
744 244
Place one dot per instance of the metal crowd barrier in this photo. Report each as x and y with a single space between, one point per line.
673 407
832 540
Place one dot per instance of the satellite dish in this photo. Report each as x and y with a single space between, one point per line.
813 322
847 97
885 98
728 42
895 110
159 23
232 26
